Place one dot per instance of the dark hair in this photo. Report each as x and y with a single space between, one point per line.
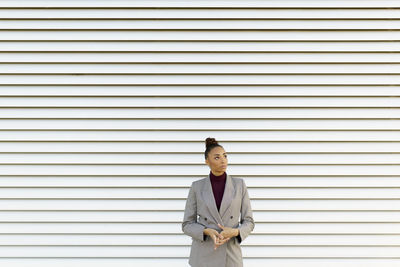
210 144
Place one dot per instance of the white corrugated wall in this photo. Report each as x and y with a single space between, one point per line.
105 106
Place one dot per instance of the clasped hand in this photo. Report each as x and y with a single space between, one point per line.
223 237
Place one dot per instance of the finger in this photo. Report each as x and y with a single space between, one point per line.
221 226
221 241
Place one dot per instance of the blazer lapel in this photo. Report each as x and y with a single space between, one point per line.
229 192
209 199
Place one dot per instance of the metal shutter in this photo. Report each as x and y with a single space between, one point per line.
105 106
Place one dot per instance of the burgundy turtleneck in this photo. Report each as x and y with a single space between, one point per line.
218 187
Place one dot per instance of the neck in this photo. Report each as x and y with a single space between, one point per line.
217 173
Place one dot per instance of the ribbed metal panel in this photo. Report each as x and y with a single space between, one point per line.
105 106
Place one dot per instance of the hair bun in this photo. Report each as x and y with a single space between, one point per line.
210 141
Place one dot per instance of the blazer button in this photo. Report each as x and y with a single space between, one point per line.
231 217
205 219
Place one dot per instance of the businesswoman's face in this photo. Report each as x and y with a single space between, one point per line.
217 160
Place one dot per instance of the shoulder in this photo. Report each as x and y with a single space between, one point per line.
240 185
237 181
199 182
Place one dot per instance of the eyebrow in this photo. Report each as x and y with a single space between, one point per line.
218 154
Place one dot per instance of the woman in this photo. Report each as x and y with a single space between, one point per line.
212 212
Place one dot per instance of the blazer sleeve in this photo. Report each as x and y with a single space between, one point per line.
246 216
190 226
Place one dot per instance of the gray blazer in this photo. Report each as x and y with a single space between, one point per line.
201 212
